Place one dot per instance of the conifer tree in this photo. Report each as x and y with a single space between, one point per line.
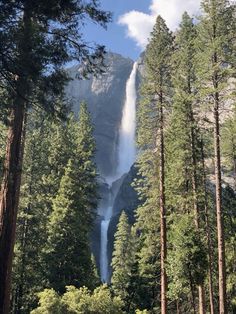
183 137
122 258
187 260
37 39
214 45
73 213
157 61
32 217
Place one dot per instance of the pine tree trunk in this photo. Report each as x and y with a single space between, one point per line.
10 190
163 214
208 233
192 292
219 212
201 296
234 166
201 292
177 307
20 284
9 200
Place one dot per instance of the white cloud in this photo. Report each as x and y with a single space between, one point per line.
139 24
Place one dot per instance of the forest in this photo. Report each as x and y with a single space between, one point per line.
178 254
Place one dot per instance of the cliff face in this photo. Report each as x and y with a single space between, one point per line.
105 97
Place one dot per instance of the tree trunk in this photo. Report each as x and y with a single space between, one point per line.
20 284
219 212
10 190
201 292
163 215
177 307
192 292
208 233
9 200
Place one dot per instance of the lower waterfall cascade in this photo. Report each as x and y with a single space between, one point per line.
126 154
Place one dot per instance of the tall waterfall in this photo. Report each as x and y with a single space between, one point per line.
126 157
127 148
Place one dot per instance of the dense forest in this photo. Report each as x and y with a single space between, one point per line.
179 256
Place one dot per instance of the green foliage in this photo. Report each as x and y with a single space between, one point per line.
37 40
187 258
214 51
182 138
32 216
122 257
73 213
155 95
79 301
49 303
229 144
68 228
50 148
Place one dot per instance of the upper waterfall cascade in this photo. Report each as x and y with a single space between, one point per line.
127 146
126 154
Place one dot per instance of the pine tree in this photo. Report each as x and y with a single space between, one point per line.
37 40
121 260
73 214
32 216
187 260
183 136
214 45
157 61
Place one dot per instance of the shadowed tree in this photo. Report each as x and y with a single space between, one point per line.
37 39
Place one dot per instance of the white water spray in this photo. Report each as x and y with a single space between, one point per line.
126 158
127 148
104 240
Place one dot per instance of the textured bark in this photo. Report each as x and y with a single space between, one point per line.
201 290
192 292
19 292
9 200
219 212
10 190
201 301
208 234
163 215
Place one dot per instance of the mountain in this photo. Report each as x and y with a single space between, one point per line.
105 96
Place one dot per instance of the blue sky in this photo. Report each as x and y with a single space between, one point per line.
115 37
133 21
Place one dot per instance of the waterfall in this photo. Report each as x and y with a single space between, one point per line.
104 240
127 148
126 156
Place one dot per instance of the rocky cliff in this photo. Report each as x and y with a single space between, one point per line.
105 97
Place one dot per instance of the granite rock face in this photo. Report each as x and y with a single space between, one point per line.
105 96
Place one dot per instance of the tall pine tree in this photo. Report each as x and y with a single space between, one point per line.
214 43
37 39
183 161
158 67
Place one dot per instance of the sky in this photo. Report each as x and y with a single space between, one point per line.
133 21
